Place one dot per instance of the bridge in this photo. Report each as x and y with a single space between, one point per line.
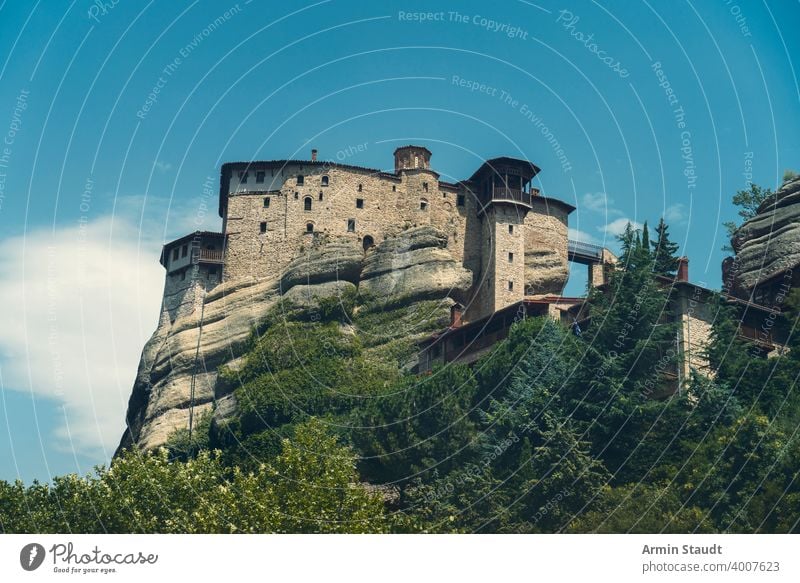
584 253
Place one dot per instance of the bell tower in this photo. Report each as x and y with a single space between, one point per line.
412 158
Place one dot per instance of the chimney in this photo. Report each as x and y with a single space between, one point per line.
456 310
314 155
683 269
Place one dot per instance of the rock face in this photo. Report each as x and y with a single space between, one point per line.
336 260
767 248
413 266
546 271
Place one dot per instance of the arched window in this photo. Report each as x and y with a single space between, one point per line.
368 242
309 227
307 203
423 205
324 180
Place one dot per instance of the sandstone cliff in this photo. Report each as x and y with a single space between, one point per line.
413 266
767 247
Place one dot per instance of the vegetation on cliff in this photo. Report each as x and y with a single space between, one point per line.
554 430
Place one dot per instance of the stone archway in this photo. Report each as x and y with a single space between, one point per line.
367 242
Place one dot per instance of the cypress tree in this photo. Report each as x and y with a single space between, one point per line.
665 261
645 238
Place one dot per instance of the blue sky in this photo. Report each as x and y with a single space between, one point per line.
113 117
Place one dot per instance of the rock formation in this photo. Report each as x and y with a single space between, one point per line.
412 266
767 249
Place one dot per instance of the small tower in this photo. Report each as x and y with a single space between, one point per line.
412 158
504 192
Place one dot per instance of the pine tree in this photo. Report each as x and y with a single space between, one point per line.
627 240
665 261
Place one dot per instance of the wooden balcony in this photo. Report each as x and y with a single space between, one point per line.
508 194
211 256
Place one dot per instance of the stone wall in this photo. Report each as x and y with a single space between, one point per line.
184 290
695 314
388 207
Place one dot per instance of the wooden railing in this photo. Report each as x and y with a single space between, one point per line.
513 194
211 255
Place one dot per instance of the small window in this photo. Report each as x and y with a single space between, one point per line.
266 202
359 203
510 285
300 180
425 186
307 203
324 181
511 258
394 188
175 253
351 225
184 250
510 229
423 205
360 187
320 195
296 195
460 199
263 226
243 177
309 227
260 177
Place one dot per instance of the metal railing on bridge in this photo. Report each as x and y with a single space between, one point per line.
583 252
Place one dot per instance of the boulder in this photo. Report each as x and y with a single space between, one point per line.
308 296
546 272
768 244
336 260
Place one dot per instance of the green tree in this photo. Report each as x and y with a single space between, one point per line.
623 357
628 244
748 201
641 508
416 426
665 260
645 237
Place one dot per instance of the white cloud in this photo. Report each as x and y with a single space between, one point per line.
617 226
163 167
598 202
675 213
82 303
